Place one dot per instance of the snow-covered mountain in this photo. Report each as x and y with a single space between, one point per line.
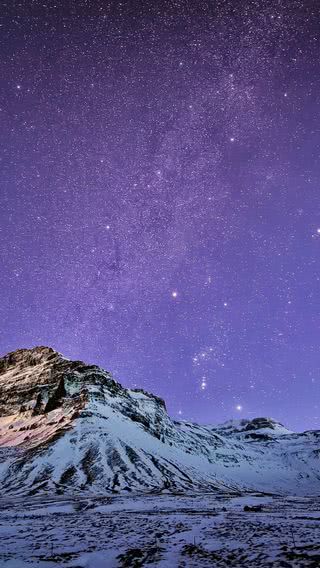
66 426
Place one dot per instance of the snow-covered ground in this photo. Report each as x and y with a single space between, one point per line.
168 531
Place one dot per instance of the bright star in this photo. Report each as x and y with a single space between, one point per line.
174 294
239 407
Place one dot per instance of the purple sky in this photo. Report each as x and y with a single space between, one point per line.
160 199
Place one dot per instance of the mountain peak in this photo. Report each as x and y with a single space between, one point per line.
27 374
261 426
27 356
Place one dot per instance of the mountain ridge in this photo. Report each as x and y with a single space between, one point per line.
67 426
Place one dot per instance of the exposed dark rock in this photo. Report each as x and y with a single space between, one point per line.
55 399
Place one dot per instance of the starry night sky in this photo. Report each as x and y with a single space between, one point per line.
160 198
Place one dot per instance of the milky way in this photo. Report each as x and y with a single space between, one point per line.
160 206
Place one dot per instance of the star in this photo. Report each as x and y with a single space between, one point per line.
206 186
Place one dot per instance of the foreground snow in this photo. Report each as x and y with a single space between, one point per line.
164 530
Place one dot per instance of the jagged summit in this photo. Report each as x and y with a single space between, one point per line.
67 426
29 354
30 377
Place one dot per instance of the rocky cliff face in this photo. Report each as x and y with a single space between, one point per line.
66 426
40 379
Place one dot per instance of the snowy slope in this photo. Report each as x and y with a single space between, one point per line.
69 427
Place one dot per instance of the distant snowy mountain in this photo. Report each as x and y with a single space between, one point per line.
256 429
68 427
